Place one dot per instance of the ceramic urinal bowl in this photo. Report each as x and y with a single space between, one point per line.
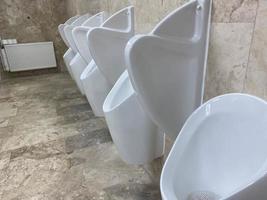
77 64
167 66
96 87
69 54
93 82
136 137
220 153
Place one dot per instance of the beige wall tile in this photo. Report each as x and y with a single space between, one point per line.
88 6
256 80
234 10
147 14
34 21
115 5
228 58
231 37
168 6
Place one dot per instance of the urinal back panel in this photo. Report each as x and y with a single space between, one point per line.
80 39
80 20
62 34
80 35
122 20
108 53
184 17
95 20
107 43
166 84
68 30
167 67
72 19
68 34
220 149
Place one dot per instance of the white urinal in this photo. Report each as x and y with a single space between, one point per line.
109 40
69 54
167 66
220 153
67 57
62 26
62 34
95 86
137 139
94 81
79 34
77 64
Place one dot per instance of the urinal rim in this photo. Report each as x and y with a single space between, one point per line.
83 17
86 28
71 19
62 34
130 27
115 33
259 175
75 31
72 46
128 57
101 14
72 26
154 30
75 59
89 71
108 105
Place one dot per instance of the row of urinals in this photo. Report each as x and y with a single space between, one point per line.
152 85
99 70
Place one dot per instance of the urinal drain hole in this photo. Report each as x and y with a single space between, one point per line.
202 195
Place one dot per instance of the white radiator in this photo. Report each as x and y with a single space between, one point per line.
29 56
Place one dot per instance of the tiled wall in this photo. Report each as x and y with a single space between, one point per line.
75 7
34 21
238 43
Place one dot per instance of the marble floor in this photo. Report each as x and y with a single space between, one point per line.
52 147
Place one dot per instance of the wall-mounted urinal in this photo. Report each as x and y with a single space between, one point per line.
109 40
167 66
220 153
62 34
77 64
96 87
69 54
138 140
62 26
95 83
136 137
79 34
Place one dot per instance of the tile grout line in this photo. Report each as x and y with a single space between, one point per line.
249 53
